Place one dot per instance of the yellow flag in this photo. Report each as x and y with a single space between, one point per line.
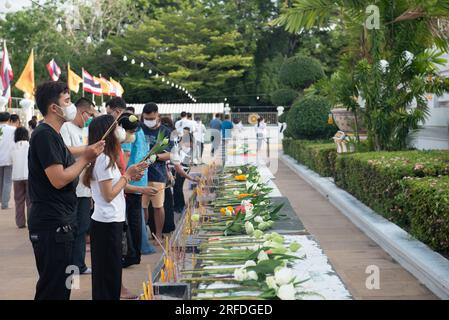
73 80
106 86
26 80
118 88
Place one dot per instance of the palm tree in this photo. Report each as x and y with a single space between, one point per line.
393 65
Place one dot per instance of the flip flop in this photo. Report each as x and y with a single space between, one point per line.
129 297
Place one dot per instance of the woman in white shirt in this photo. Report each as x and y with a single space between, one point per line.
19 160
107 183
261 132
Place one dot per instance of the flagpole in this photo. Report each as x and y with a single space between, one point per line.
101 91
82 69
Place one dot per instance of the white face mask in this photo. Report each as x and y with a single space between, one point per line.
120 133
69 113
150 123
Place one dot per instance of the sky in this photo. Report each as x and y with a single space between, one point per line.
15 5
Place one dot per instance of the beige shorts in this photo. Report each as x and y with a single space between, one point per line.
157 201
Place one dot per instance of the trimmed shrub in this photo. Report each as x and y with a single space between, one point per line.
425 202
374 177
318 156
284 97
300 72
307 119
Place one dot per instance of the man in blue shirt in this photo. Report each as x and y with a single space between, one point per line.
215 139
157 173
226 127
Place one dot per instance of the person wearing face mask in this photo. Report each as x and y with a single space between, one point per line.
72 133
135 149
53 178
184 160
157 173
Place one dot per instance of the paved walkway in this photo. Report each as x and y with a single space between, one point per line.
349 250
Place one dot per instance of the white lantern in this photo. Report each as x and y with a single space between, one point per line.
108 52
125 58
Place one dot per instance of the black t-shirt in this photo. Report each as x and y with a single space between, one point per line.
50 207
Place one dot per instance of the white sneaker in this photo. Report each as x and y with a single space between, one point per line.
88 271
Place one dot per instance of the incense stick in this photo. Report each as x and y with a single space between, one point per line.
112 126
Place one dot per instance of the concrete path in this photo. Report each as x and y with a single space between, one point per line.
349 250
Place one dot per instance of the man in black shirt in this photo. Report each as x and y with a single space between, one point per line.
53 176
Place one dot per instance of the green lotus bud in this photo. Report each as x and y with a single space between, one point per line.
258 234
133 118
294 246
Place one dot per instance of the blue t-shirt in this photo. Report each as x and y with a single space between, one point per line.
215 124
157 171
138 150
226 128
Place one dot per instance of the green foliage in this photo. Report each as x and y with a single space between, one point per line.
308 119
300 72
319 156
284 97
374 177
425 203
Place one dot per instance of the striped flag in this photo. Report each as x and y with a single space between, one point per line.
90 84
53 70
6 74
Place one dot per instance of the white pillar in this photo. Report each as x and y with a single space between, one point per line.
3 103
27 109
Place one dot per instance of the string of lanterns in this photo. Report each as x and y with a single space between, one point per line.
161 77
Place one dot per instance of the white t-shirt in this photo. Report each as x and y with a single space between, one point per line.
6 144
74 137
261 130
200 132
19 160
183 123
104 211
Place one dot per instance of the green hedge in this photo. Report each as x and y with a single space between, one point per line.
374 177
425 204
409 188
319 156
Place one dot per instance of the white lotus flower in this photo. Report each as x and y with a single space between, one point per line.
384 64
249 228
236 193
250 263
258 219
262 256
252 275
287 292
271 283
239 171
283 276
240 274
